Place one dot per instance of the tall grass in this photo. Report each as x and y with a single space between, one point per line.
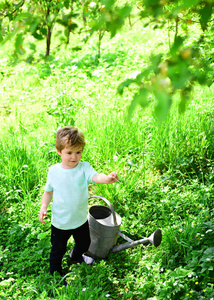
165 170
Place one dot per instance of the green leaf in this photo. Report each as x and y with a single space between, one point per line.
108 3
209 252
66 32
42 235
18 44
155 60
62 22
125 11
66 4
164 102
43 30
179 74
145 73
180 272
150 3
205 15
16 229
189 3
29 59
34 26
72 26
32 46
77 48
38 36
185 96
154 7
2 5
140 98
22 16
124 84
49 58
176 45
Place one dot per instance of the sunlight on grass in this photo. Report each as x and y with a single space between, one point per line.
166 174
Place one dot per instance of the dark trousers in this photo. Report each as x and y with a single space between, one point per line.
59 239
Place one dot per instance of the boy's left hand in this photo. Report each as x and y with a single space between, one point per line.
103 178
112 177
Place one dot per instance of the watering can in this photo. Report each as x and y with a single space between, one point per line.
104 226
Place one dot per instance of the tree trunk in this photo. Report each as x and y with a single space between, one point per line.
48 38
72 5
68 34
176 27
48 41
83 12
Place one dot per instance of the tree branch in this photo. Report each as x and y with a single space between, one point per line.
12 12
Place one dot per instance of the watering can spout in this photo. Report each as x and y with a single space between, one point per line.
155 239
104 226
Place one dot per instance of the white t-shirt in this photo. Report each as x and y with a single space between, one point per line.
70 194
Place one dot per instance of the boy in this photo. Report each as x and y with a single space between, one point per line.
67 183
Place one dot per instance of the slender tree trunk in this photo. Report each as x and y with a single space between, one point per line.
68 37
69 32
83 12
176 28
100 36
48 41
48 38
72 5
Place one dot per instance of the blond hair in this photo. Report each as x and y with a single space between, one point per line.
69 136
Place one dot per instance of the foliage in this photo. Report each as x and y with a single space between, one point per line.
183 66
166 174
37 19
173 72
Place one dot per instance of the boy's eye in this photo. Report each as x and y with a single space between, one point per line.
78 152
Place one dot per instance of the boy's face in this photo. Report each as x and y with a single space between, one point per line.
70 156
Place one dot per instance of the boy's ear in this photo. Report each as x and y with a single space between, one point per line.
58 152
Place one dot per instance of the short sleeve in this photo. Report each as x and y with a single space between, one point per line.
89 172
48 186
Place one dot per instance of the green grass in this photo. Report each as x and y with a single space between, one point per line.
166 173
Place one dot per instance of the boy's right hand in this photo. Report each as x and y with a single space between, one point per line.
46 198
42 213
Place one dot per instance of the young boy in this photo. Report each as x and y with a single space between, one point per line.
67 183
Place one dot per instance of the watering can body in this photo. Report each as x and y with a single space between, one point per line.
103 232
104 226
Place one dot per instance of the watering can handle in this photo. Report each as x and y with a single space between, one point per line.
110 206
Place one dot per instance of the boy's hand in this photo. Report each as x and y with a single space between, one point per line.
46 198
102 178
42 213
112 177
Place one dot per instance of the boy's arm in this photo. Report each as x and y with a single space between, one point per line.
102 178
46 199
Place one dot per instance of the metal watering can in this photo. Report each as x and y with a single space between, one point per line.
104 226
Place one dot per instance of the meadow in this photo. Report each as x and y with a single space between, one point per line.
166 173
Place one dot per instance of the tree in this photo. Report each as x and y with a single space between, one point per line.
36 19
178 71
106 16
183 66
